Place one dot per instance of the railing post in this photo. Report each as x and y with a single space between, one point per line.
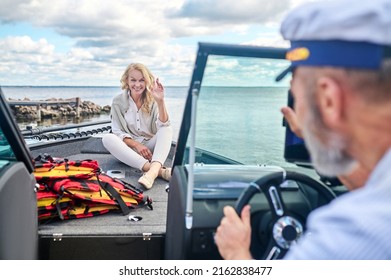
77 107
39 114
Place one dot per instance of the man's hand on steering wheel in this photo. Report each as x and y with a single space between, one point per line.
233 236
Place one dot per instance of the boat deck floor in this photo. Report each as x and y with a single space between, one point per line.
110 224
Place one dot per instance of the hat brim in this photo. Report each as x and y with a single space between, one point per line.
284 73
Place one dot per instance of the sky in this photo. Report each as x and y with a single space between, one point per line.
90 42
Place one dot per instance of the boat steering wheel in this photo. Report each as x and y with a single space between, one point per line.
285 228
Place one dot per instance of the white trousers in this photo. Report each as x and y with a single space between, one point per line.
159 144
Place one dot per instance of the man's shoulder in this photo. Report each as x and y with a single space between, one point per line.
348 209
350 227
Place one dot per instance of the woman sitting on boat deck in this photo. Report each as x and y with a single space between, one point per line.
141 131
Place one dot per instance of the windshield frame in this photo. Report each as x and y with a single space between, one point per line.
204 50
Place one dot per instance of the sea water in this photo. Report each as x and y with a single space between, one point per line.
260 132
102 96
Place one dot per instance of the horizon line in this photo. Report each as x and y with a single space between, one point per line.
31 86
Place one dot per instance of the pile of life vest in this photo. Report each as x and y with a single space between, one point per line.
69 189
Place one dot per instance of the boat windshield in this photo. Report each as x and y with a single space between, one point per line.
238 111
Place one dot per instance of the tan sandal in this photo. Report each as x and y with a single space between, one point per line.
165 173
146 181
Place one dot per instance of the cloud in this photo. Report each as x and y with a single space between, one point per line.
208 17
25 45
105 36
23 59
100 24
92 23
233 11
272 40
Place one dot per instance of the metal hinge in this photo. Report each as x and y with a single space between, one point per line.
147 236
57 236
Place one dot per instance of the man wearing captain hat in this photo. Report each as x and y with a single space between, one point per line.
341 81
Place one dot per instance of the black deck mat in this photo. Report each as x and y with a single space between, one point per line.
94 145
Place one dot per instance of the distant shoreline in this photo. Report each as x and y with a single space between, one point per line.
29 86
119 88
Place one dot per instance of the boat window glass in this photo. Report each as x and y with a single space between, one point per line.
12 144
6 153
238 111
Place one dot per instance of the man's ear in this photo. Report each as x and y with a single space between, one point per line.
330 101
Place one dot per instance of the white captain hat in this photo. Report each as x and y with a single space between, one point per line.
344 33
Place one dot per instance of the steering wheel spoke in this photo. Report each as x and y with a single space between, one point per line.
273 251
275 200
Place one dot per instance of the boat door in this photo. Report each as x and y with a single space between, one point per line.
18 203
232 134
216 127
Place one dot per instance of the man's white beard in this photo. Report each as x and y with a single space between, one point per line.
330 159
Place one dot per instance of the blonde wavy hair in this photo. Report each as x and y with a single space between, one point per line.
149 82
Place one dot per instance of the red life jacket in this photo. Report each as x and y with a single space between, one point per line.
79 189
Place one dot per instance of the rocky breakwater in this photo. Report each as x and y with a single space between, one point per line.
52 108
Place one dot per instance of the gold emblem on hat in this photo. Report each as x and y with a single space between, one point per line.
298 54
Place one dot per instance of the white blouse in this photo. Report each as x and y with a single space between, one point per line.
143 126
